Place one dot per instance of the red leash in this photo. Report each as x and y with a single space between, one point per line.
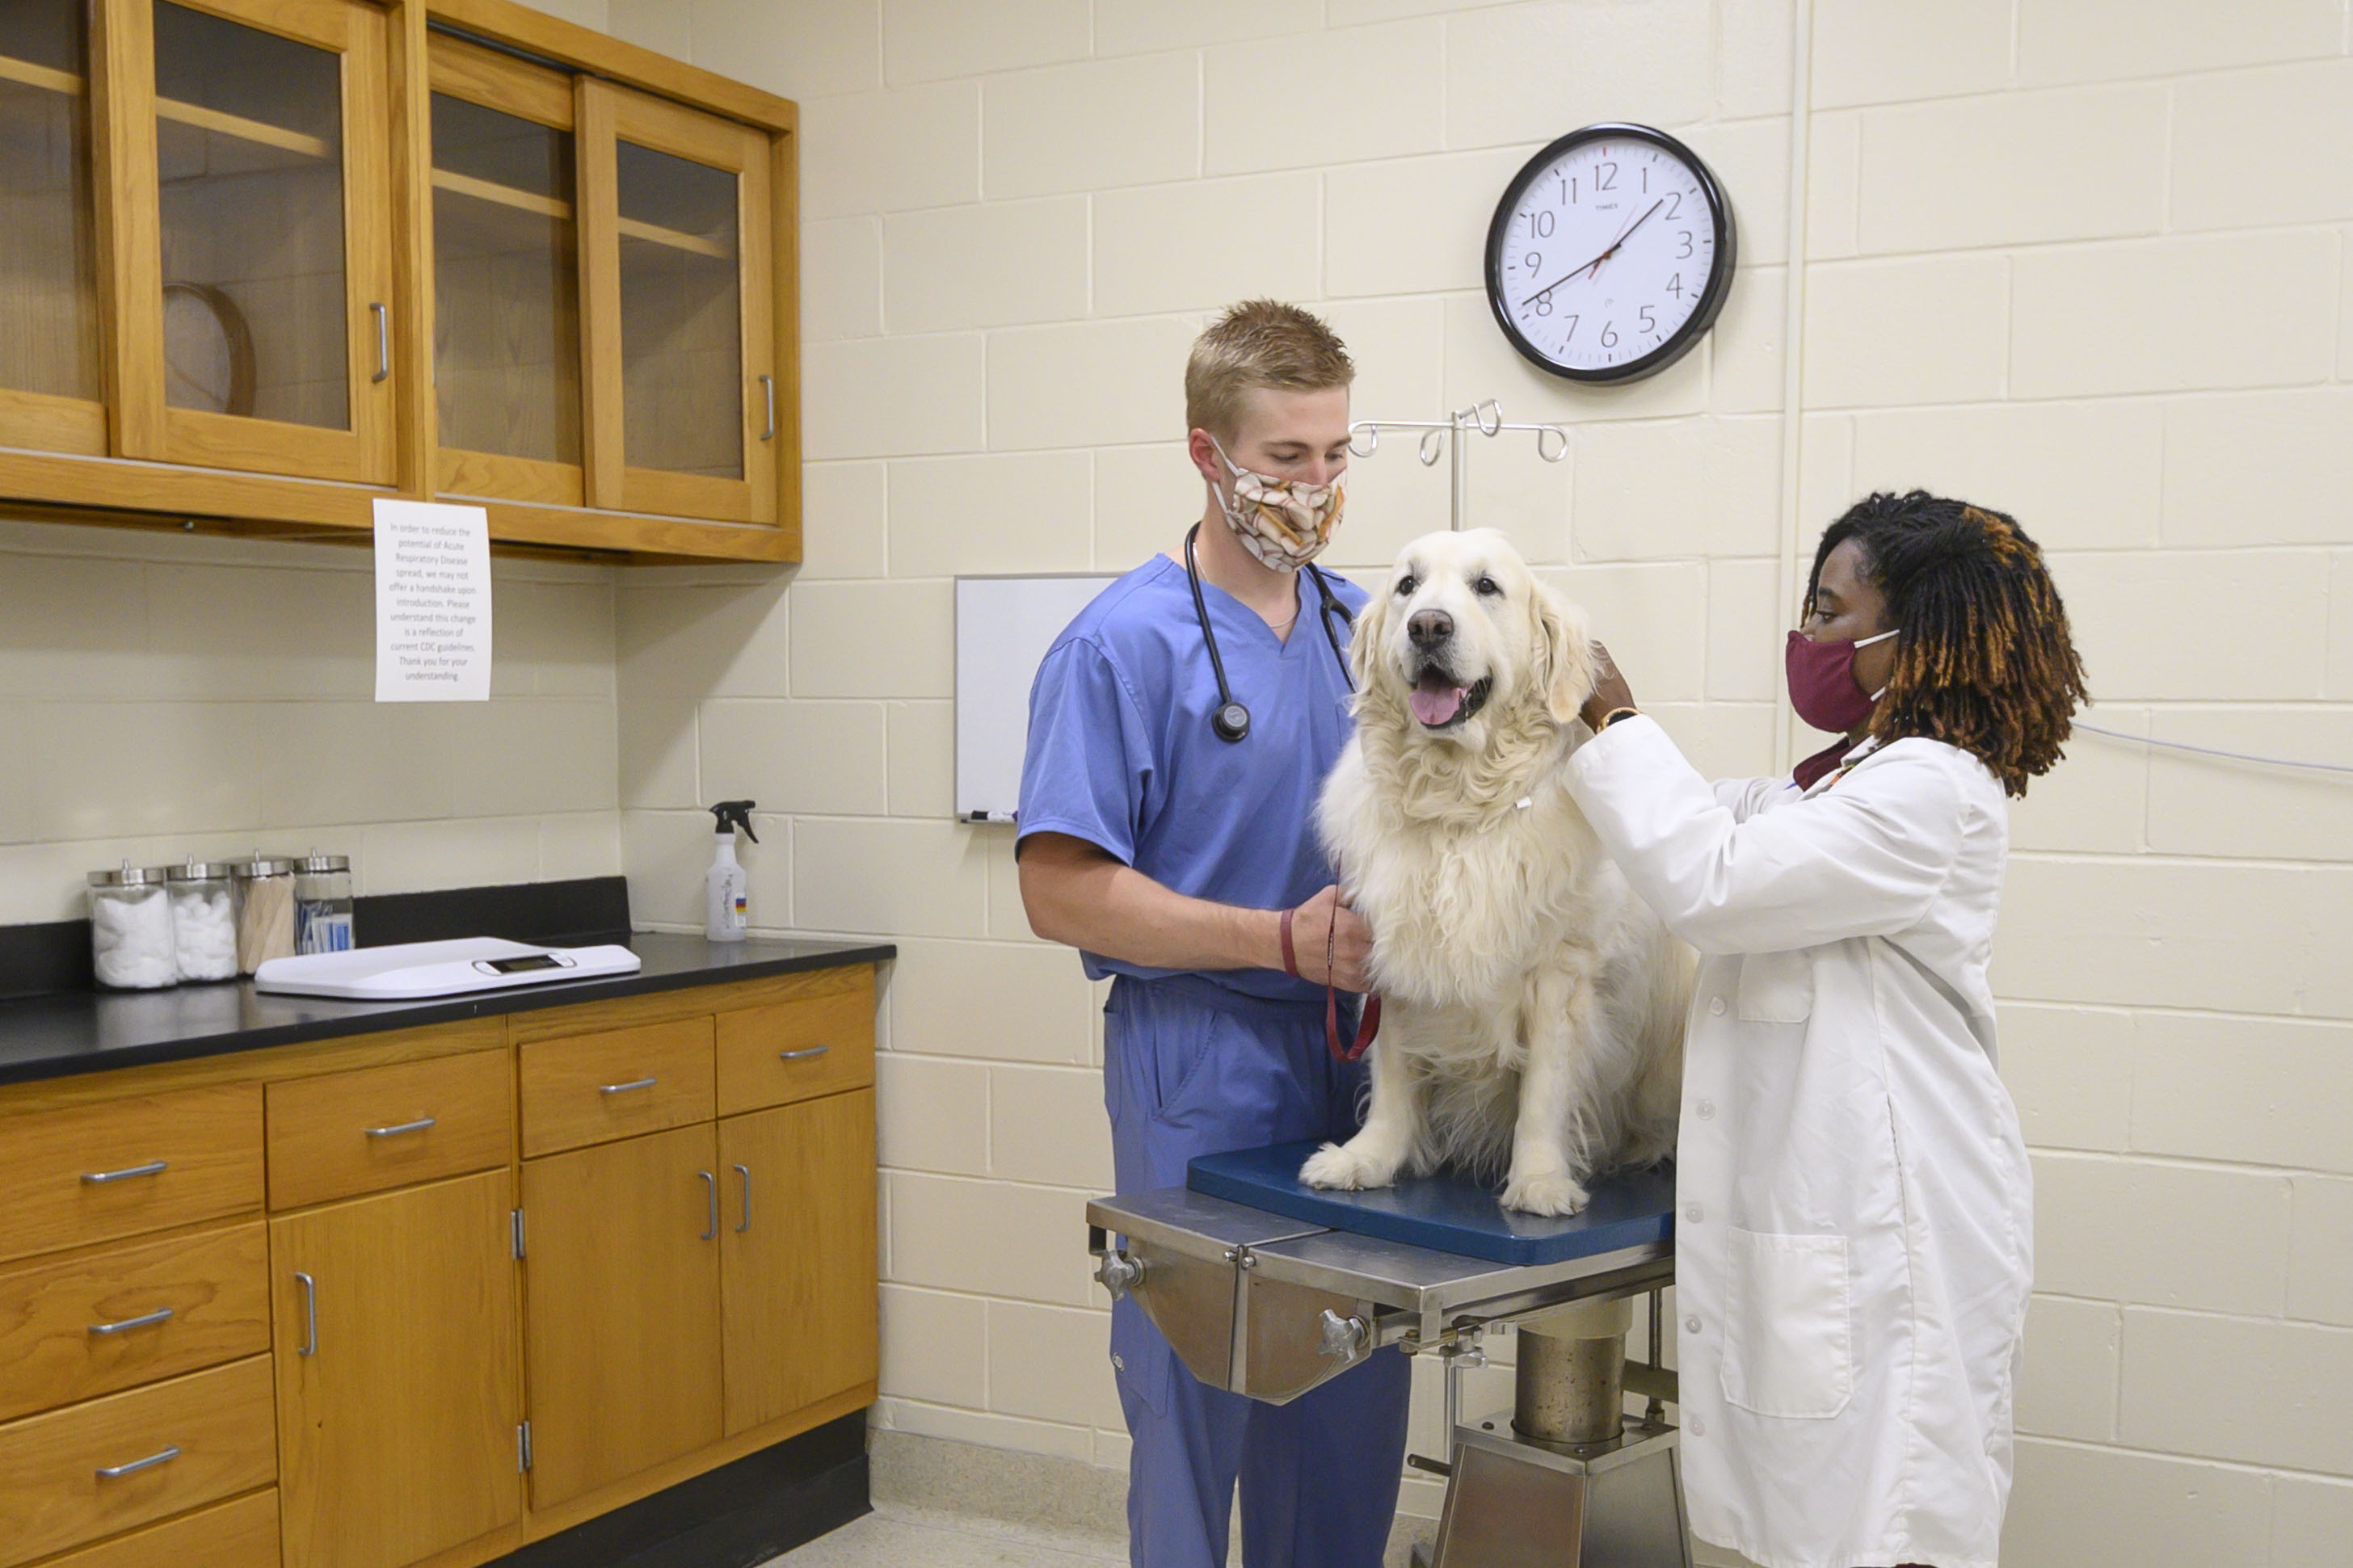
1368 1022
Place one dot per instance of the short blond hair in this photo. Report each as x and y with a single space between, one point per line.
1259 342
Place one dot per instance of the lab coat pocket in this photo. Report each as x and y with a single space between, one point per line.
1776 987
1788 1346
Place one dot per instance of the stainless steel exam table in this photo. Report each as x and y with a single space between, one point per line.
1268 1287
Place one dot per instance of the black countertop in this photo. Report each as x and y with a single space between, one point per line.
84 1031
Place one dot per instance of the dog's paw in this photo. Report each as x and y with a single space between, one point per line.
1547 1194
1344 1165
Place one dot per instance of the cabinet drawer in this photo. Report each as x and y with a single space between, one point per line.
795 1050
91 1173
210 1435
353 1133
130 1315
240 1534
587 1088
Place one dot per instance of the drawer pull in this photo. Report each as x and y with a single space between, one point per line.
802 1056
310 1313
745 1171
99 1178
419 1125
625 1087
164 1455
710 1225
160 1315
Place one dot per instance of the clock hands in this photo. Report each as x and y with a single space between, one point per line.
1593 268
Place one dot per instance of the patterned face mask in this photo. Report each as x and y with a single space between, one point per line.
1285 524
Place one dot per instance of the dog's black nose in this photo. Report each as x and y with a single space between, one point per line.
1427 628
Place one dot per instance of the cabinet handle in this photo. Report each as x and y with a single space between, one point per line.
160 1315
745 1173
310 1313
162 1456
419 1125
625 1087
710 1187
383 342
802 1056
768 385
99 1178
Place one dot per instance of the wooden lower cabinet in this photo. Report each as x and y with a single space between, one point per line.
240 1534
621 1271
796 1255
112 1464
398 1399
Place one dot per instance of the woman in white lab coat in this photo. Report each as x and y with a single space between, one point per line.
1854 1240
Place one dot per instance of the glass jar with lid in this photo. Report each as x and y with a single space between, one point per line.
204 925
264 889
130 942
323 903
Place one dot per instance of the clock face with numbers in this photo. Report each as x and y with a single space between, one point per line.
1611 254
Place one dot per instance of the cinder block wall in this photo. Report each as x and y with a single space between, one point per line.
2081 261
163 695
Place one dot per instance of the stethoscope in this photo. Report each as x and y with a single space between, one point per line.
1231 721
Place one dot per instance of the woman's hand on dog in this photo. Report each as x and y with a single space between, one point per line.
1610 692
1326 921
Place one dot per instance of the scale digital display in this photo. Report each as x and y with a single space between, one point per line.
518 965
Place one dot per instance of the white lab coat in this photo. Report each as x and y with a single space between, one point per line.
1853 1237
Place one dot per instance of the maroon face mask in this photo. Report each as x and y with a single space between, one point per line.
1824 691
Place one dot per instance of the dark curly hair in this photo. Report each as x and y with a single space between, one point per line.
1983 657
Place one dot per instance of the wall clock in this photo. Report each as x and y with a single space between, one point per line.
1611 254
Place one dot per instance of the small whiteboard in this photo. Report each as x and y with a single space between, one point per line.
1003 627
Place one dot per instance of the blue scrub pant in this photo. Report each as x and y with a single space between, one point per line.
1189 1068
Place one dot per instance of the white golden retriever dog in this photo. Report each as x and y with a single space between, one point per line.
1535 1004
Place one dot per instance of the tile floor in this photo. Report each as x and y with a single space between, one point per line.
898 1535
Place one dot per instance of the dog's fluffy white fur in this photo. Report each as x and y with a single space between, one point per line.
1535 1004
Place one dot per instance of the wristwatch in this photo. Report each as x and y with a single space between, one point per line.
1614 715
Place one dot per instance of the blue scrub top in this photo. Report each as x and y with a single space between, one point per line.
1121 753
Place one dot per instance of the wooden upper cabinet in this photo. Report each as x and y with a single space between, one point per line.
52 386
289 256
506 279
684 412
249 184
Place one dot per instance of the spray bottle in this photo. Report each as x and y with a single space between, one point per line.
726 897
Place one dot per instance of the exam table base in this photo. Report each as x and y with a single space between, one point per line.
1515 1502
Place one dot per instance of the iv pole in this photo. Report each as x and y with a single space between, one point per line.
1486 418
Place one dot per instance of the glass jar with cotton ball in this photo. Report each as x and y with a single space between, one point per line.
204 921
132 946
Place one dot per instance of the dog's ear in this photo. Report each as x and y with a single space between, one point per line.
1564 654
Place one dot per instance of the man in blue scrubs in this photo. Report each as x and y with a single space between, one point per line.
1168 854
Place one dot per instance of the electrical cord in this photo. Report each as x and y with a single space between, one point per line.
2215 751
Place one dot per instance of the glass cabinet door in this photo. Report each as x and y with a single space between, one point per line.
684 410
51 381
257 275
506 279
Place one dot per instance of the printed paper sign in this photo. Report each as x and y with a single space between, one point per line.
432 603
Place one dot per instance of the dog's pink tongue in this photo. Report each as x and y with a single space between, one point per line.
1435 703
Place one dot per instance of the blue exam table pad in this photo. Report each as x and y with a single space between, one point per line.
1447 1212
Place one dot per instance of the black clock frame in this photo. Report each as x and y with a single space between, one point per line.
1719 280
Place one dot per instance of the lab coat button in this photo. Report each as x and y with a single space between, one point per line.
1715 1006
1693 1213
1691 1325
1699 1425
1707 1111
